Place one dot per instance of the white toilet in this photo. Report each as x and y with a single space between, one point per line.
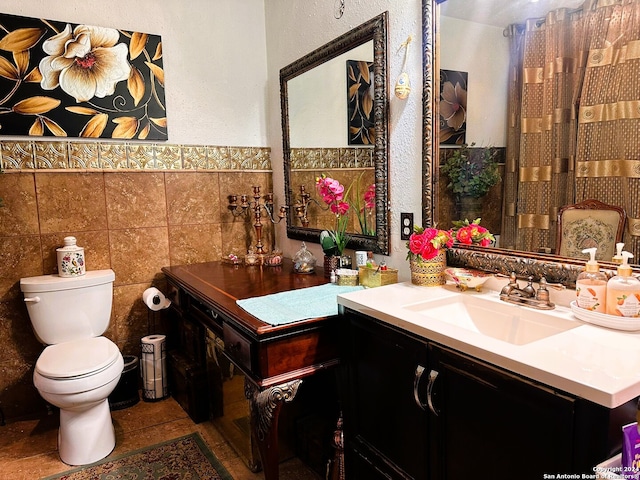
79 368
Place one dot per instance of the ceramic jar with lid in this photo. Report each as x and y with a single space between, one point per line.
70 259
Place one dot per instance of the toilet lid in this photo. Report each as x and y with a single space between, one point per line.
77 358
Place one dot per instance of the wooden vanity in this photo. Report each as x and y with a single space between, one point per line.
274 359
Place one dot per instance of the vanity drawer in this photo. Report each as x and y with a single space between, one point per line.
174 293
236 346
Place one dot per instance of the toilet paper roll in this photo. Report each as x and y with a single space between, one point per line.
155 299
154 367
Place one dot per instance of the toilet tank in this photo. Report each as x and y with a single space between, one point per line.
65 309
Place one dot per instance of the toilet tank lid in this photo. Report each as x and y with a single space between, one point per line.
52 283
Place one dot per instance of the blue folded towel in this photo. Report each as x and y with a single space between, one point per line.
295 305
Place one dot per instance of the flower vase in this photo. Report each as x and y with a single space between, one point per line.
331 263
469 207
429 273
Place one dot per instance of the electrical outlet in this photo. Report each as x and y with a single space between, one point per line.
406 225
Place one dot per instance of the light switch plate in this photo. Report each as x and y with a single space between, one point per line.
406 225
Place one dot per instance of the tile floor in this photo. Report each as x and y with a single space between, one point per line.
28 449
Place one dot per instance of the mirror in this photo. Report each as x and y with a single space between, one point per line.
458 13
326 131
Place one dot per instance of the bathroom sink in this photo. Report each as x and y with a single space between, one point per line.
493 318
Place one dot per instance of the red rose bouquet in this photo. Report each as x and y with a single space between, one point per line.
425 243
471 233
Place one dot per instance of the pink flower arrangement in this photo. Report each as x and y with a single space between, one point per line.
333 194
425 243
365 208
471 233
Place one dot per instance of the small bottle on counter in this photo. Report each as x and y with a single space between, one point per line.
333 278
591 285
623 291
371 263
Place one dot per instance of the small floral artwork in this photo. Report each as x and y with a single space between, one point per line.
453 107
361 123
66 80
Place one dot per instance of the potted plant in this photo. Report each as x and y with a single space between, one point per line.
426 254
471 173
334 242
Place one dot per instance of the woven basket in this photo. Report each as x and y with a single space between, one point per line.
429 273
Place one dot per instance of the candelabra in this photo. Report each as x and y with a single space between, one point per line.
247 205
301 206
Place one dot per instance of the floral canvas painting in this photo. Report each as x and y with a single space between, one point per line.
361 125
453 107
66 80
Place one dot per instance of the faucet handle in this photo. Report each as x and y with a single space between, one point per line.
529 290
542 294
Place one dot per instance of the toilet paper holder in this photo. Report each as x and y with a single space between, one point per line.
154 299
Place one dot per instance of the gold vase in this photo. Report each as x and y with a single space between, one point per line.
429 273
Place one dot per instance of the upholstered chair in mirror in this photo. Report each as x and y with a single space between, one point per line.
589 224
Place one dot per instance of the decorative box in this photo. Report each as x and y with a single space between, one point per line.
346 276
374 277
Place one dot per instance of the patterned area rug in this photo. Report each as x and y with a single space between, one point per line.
184 458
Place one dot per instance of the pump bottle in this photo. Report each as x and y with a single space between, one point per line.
623 291
591 285
617 258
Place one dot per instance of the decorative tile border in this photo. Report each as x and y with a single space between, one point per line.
328 158
38 155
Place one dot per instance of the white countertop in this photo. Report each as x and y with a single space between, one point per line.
596 363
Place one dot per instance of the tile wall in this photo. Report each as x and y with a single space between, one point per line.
134 208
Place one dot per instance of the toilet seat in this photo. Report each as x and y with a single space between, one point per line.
77 359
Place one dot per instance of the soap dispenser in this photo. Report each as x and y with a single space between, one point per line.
617 258
623 291
591 285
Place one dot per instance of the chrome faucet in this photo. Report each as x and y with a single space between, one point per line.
529 296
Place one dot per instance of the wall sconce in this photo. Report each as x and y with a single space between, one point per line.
247 205
301 206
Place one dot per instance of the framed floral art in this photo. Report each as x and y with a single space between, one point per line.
75 80
360 103
453 107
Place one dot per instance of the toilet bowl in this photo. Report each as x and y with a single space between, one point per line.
79 368
79 384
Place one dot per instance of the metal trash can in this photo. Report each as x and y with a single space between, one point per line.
126 392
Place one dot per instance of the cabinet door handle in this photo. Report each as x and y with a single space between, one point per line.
416 382
433 374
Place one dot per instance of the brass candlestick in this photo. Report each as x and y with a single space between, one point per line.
301 206
257 207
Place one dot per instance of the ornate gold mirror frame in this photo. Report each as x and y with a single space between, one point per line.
554 268
374 30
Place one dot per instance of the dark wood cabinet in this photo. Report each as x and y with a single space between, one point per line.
492 424
414 409
385 428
